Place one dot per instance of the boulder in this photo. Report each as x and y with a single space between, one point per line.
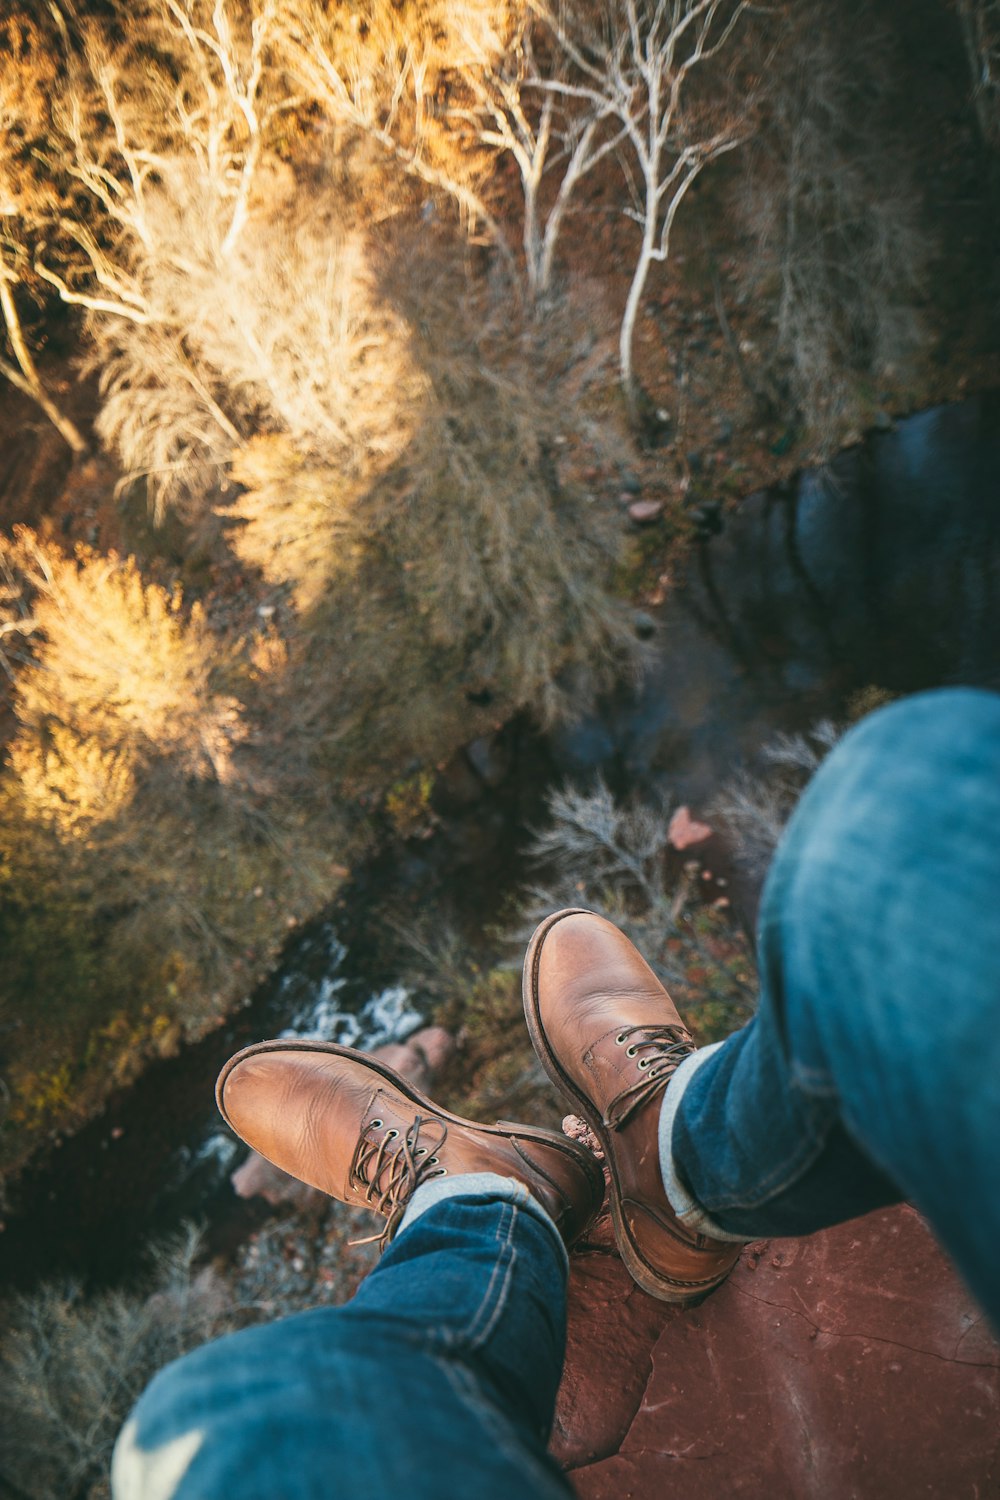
489 757
851 1363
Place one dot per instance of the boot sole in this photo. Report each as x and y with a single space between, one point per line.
656 1283
506 1130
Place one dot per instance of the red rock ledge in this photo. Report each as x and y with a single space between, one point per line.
852 1365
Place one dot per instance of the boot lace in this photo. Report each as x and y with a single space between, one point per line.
388 1174
663 1048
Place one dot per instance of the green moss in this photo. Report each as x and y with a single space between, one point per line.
408 804
494 1073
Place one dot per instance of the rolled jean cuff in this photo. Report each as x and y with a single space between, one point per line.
488 1187
687 1208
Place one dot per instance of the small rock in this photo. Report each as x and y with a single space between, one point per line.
579 1130
404 1059
435 1043
489 759
645 511
257 1178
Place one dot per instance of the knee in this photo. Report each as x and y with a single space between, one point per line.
161 1438
872 907
913 778
941 739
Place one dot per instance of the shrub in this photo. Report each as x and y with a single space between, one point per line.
496 515
73 1366
74 1363
755 805
151 857
119 661
296 520
833 208
615 859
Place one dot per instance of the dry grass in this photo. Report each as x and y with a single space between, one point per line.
755 805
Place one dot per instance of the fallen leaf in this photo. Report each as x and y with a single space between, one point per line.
685 831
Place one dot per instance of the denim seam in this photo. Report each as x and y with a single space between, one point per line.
506 1256
468 1337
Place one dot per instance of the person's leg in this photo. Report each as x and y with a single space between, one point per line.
872 1069
437 1380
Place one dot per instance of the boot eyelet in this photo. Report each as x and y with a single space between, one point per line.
630 1051
420 1151
644 1062
432 1161
441 1172
375 1125
621 1038
391 1135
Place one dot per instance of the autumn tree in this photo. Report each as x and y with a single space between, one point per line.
135 820
512 107
31 198
395 76
557 89
638 64
166 122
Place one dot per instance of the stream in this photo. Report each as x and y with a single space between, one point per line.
881 569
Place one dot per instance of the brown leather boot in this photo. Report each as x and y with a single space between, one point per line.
608 1036
350 1126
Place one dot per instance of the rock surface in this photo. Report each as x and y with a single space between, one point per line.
643 512
852 1364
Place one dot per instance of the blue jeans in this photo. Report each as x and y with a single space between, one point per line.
438 1379
870 1073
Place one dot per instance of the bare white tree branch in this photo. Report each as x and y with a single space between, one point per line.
633 70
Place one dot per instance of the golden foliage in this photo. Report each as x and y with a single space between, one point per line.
297 517
397 73
71 784
117 660
28 75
